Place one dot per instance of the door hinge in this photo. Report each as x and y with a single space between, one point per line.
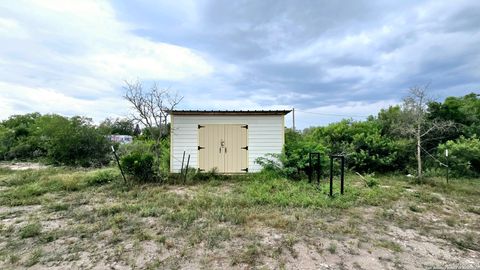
200 126
246 147
245 170
245 126
199 147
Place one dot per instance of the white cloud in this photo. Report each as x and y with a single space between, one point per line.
19 99
77 52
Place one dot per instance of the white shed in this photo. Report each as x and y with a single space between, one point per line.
229 141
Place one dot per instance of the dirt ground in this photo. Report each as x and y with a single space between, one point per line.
172 227
21 166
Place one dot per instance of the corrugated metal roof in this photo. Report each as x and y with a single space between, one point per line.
229 112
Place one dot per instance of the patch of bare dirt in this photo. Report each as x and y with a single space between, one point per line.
21 166
183 191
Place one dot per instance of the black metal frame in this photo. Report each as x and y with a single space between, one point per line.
342 173
183 173
118 163
316 166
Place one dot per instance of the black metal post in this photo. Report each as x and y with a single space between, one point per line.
118 163
331 175
318 168
186 170
342 176
183 159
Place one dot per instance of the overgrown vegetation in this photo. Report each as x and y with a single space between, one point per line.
371 146
56 139
377 145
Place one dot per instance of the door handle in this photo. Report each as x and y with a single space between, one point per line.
220 150
225 150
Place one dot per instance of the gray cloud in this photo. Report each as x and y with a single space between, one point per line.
313 55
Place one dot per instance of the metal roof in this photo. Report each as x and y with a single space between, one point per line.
229 112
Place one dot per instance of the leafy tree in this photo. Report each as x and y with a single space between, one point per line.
7 140
117 126
15 139
388 119
464 111
73 141
363 143
464 155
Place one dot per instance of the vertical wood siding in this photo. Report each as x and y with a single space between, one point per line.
265 135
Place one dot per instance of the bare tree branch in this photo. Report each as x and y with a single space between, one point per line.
415 123
151 108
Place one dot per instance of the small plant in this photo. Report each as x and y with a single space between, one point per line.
473 209
389 245
14 258
102 177
161 239
451 221
369 180
332 248
249 255
34 258
59 207
30 230
142 235
415 208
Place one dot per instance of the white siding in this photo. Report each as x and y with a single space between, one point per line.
265 135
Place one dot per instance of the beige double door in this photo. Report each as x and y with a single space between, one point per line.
224 147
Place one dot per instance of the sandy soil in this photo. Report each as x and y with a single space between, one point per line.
21 166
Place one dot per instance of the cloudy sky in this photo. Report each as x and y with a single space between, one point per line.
328 59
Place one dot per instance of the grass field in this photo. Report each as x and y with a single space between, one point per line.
69 218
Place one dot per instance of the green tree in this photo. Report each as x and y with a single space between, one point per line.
464 111
71 141
464 155
117 126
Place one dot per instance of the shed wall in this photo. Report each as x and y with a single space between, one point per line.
265 135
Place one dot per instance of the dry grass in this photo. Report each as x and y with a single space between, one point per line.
80 219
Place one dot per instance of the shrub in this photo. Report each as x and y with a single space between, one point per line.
464 156
71 141
102 177
30 230
139 166
370 180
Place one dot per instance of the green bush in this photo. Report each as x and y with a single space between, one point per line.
464 156
60 140
139 166
370 180
30 230
102 177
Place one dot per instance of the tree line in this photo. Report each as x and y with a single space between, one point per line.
410 138
60 140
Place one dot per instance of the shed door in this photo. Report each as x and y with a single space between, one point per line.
223 147
210 153
236 148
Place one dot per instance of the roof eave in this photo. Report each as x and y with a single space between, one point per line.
224 112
